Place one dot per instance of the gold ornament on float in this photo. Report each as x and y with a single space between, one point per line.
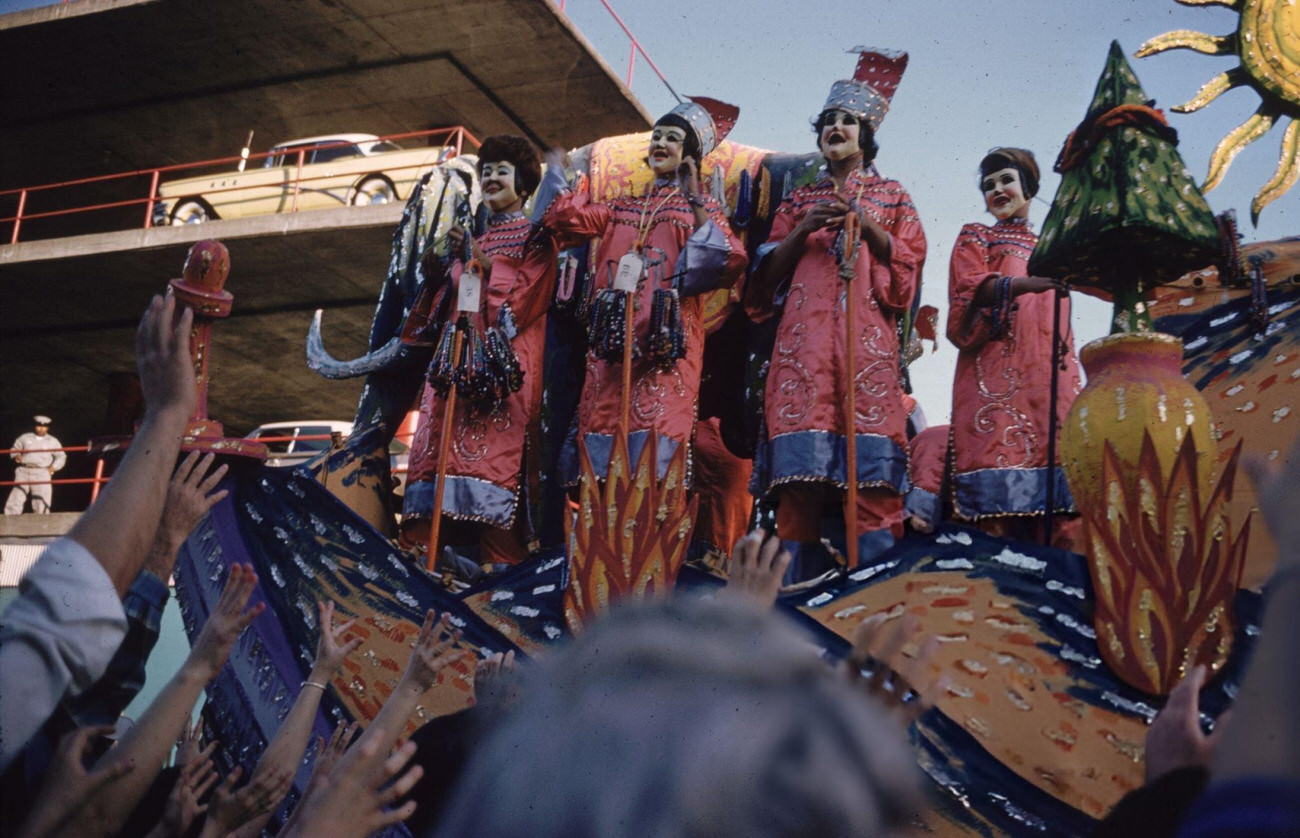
1268 42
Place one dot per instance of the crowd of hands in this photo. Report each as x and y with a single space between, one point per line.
357 784
360 780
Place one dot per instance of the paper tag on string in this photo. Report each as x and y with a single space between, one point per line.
630 268
469 293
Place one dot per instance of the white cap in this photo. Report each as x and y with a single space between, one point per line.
41 419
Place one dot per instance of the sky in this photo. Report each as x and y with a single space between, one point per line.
981 74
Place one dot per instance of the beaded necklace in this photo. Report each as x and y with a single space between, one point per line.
643 225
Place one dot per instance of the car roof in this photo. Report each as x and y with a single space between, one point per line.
328 138
332 424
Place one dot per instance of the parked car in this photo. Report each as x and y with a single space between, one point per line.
337 170
297 441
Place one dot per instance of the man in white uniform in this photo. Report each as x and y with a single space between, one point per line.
38 457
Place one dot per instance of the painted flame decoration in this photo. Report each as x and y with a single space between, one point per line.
631 533
1165 568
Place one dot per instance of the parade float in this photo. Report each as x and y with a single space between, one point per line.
1055 661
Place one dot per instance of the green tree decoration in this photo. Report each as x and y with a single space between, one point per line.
1128 215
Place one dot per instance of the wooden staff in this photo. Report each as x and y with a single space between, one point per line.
852 237
444 447
468 295
1053 394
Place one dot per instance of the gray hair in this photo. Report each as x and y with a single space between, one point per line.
681 718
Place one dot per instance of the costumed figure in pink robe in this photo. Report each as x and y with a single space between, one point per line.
1001 321
485 471
803 456
669 244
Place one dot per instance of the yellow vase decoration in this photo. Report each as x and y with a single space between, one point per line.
631 532
1135 384
1165 563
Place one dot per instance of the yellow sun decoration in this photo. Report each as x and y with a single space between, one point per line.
1267 41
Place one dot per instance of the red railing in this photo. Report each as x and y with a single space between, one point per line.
634 47
454 138
97 482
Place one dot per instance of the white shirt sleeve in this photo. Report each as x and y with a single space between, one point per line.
57 637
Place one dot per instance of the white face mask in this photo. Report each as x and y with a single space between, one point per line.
1004 194
497 180
667 144
839 135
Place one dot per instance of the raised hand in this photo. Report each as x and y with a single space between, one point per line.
229 808
190 494
162 355
1175 739
892 669
556 157
352 801
183 805
432 655
331 648
188 748
226 622
495 679
756 568
68 785
689 175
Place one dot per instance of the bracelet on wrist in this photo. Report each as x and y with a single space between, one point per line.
318 685
695 200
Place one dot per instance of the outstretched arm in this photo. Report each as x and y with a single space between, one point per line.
429 658
352 801
147 743
120 525
60 634
285 752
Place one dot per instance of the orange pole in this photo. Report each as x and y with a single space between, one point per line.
18 216
625 403
99 479
444 449
852 232
148 207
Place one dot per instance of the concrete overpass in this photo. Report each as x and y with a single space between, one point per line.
101 86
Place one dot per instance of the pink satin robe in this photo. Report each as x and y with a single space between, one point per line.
1001 390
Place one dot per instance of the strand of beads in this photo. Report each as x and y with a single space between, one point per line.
506 371
442 369
667 334
474 379
608 320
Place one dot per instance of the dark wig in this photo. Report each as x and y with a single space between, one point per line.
866 135
691 147
518 152
1020 159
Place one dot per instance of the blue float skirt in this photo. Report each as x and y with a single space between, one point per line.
601 446
466 499
820 457
922 504
1008 491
